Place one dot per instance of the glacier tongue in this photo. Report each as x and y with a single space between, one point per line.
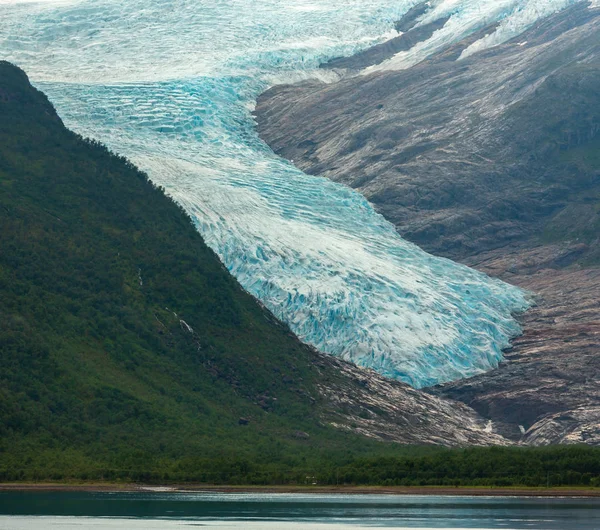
171 85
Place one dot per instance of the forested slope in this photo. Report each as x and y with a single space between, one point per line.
124 341
127 351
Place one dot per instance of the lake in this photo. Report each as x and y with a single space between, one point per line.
165 510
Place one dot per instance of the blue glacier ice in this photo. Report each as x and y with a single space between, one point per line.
171 84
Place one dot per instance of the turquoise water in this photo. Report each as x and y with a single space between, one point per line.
172 83
291 511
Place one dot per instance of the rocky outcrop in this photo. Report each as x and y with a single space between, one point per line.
552 373
462 156
491 160
385 50
364 402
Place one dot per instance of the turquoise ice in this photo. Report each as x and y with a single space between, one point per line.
171 85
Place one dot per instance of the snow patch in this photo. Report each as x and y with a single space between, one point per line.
186 326
469 16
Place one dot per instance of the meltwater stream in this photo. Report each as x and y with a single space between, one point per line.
171 85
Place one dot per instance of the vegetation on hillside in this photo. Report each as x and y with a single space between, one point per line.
565 112
127 352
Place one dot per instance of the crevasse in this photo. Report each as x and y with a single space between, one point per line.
171 85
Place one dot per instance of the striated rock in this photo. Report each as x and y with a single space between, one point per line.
411 17
491 160
462 156
572 427
364 402
381 52
554 367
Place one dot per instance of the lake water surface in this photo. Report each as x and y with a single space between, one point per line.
158 510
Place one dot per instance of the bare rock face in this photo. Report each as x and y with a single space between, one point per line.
364 402
553 369
462 156
571 427
381 52
493 160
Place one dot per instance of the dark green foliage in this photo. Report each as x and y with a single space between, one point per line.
102 280
493 466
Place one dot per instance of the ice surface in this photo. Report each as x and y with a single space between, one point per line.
467 16
171 85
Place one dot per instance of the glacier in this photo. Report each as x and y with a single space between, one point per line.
171 84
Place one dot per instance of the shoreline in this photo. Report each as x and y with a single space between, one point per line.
443 491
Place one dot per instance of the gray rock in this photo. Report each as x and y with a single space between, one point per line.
381 52
364 402
411 18
554 367
494 161
461 156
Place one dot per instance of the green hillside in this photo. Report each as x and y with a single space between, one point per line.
125 344
128 352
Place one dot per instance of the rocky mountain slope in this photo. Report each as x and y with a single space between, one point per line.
493 160
127 349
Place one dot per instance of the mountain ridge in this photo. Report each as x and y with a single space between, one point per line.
491 161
